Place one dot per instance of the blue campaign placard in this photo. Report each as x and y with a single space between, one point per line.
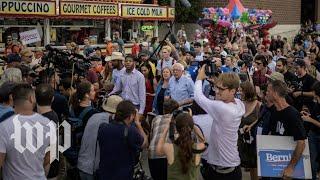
273 162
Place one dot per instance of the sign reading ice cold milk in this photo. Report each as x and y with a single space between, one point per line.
144 12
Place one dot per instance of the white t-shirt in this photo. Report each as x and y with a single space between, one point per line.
205 123
223 148
20 162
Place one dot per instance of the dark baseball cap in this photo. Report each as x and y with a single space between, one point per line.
144 52
13 58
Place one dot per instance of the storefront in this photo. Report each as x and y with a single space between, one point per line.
61 21
21 16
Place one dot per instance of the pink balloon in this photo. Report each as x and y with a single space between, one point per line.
212 10
226 11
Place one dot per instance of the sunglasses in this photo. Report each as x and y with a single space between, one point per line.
258 63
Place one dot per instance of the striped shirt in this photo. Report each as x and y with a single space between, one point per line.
159 123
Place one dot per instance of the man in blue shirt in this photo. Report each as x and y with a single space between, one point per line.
131 85
119 143
180 87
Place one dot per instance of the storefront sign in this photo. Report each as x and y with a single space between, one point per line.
274 157
144 12
29 37
28 7
147 28
88 9
171 12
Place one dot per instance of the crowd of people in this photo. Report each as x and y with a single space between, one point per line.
193 121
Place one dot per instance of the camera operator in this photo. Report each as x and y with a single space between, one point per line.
88 159
303 91
119 143
226 112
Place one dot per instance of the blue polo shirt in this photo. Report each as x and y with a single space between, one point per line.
117 153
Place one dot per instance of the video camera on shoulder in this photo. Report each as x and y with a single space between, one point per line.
210 69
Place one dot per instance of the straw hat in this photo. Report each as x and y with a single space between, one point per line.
115 56
111 103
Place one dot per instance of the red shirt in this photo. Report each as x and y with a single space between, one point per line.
260 79
135 50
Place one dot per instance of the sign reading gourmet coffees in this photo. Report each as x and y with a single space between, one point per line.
144 12
27 7
171 12
88 9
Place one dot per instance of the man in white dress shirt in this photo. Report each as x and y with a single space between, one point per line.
226 112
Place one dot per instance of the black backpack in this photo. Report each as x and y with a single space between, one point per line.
77 130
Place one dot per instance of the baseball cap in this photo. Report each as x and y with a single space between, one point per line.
275 76
144 52
300 62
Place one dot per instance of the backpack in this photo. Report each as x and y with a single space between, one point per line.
173 61
77 129
6 115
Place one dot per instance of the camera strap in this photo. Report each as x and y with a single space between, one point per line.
199 151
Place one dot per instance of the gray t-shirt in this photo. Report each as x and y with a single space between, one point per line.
87 154
24 161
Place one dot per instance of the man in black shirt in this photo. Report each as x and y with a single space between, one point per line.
282 68
44 96
312 119
303 92
286 121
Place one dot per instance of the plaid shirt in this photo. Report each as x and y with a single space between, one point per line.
159 123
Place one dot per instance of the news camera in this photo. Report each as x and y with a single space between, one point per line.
65 61
210 68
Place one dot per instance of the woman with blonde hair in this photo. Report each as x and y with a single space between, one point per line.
166 60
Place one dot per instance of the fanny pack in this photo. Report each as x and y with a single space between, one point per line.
222 170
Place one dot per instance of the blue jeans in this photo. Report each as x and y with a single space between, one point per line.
314 146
